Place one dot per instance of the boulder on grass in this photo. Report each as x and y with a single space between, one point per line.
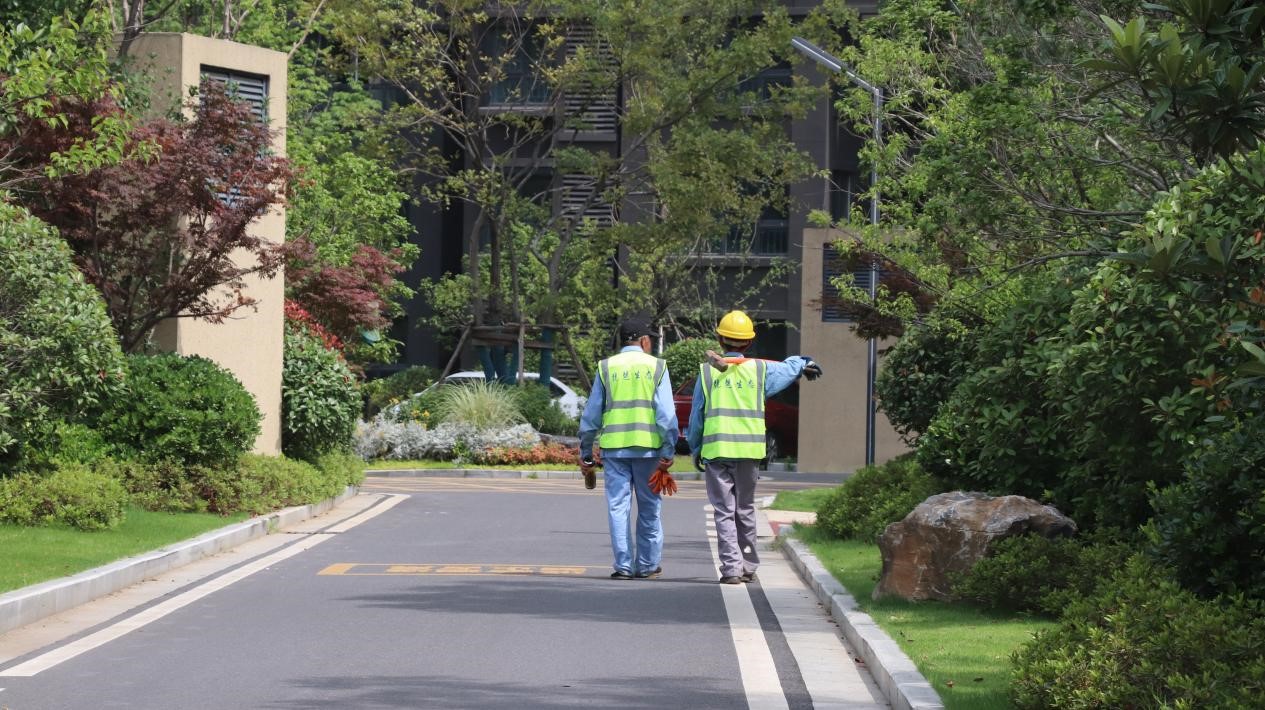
948 533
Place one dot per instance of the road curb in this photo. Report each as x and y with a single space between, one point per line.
30 604
893 670
498 473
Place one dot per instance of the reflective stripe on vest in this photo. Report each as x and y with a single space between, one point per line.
630 380
733 411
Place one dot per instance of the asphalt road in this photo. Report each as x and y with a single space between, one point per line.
442 593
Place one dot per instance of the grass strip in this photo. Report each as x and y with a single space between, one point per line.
807 500
33 555
962 650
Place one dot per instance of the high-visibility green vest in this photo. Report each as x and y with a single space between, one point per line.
733 411
630 380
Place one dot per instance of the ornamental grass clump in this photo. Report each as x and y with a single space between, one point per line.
481 405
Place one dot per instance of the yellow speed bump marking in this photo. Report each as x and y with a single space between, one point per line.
352 569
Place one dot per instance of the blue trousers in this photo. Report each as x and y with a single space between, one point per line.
622 477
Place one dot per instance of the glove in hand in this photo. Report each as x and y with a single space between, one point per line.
698 462
812 370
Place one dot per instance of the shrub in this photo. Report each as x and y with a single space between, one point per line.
551 452
482 405
918 375
160 485
540 410
400 441
423 408
684 356
1144 642
185 409
342 466
319 400
1211 525
71 495
1038 574
875 497
380 394
59 355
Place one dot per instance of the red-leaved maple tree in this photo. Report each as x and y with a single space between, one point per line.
169 234
345 298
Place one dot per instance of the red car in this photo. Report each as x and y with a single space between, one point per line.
781 420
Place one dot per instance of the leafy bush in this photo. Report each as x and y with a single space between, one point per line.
342 466
382 393
399 441
161 485
875 497
550 452
918 375
1144 642
538 408
319 400
684 356
1211 525
423 408
185 409
482 405
1039 574
59 355
72 495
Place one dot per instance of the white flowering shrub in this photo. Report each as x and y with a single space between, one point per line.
382 438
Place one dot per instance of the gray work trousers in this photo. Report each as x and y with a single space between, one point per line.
731 491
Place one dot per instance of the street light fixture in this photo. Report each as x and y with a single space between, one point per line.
837 66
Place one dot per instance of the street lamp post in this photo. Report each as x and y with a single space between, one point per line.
837 66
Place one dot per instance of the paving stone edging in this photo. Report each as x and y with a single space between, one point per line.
500 473
893 671
30 604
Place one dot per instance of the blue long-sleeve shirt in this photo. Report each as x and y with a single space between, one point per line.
777 377
664 417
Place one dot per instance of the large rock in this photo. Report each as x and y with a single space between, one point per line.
948 533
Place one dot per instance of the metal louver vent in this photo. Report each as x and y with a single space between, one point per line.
251 88
833 265
593 107
579 203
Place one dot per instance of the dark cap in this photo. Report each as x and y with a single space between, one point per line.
632 329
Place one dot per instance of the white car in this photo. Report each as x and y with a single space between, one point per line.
568 401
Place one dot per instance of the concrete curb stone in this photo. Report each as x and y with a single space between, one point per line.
30 604
893 670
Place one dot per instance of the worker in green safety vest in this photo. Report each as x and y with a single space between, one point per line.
726 435
630 414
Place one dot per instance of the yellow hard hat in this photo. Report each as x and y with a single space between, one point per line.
736 325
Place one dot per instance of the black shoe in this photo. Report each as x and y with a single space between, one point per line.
590 480
650 574
748 577
731 580
620 574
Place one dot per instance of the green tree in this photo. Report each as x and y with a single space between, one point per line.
511 92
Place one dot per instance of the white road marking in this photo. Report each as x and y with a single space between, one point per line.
87 643
755 661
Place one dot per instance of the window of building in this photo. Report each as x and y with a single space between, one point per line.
768 236
766 82
520 85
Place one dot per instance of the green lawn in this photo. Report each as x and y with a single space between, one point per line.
681 464
32 555
807 500
963 651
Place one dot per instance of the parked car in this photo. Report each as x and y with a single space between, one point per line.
781 421
568 400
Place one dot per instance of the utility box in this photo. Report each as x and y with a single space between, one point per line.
832 410
250 342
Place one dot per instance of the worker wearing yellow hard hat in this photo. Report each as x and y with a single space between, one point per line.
728 440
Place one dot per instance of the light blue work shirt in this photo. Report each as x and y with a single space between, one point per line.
664 416
777 377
